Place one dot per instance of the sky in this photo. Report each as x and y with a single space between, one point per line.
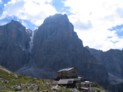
98 23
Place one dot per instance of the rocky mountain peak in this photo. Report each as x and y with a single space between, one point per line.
57 28
15 22
14 43
56 31
57 22
57 18
15 25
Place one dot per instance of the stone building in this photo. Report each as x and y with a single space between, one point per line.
68 77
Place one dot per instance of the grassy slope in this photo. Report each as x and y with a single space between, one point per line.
10 81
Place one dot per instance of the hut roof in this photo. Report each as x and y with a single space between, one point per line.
65 81
66 69
68 81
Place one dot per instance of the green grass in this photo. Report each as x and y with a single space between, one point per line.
9 80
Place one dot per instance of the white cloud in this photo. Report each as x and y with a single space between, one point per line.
102 15
33 10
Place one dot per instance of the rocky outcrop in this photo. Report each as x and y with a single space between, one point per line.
14 44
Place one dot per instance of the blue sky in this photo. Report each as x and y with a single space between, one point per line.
99 23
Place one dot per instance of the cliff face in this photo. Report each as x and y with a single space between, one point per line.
57 46
14 43
113 61
55 42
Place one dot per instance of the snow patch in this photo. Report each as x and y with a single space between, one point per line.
31 41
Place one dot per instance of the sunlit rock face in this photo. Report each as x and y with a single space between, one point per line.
14 43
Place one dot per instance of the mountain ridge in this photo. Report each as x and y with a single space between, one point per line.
112 59
55 46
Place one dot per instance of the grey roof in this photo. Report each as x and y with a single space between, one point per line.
66 69
85 88
68 81
65 81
